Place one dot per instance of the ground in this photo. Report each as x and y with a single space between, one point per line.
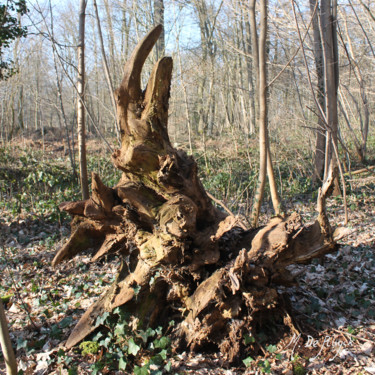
333 304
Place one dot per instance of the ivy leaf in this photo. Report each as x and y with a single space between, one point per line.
101 319
249 339
168 366
97 336
272 348
122 364
21 343
120 329
140 370
133 348
247 361
163 354
105 342
66 322
162 343
146 334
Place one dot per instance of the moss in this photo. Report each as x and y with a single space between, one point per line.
298 369
6 298
89 347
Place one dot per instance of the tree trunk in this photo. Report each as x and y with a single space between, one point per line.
80 102
59 94
262 102
319 67
265 160
248 47
6 345
328 10
217 278
159 20
105 66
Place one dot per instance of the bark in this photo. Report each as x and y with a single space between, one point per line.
319 67
365 119
265 160
105 65
328 9
6 345
215 278
159 20
80 102
248 47
262 102
59 94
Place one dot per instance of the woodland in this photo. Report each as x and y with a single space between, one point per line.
187 187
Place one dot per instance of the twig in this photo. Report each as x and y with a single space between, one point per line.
241 224
354 336
260 345
363 170
343 184
298 48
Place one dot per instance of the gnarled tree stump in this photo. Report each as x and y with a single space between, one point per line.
213 274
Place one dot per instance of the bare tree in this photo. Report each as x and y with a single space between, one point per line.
80 102
319 66
159 20
328 21
59 93
106 69
265 165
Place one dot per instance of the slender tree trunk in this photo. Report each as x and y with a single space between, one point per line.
159 20
6 345
319 66
125 30
262 100
249 48
36 116
111 39
207 25
328 12
106 69
265 160
80 104
361 150
60 99
255 52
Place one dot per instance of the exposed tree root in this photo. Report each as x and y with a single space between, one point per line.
179 253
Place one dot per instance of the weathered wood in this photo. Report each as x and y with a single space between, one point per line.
160 221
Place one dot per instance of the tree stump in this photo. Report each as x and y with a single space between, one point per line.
180 254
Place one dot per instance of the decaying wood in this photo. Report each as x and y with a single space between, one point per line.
215 275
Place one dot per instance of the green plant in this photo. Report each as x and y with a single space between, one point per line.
298 368
124 345
5 299
89 347
265 366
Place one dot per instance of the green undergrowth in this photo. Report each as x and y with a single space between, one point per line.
120 344
34 183
233 177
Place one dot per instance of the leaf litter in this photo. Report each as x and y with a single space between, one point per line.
333 303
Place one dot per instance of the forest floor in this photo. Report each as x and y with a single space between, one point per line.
333 303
